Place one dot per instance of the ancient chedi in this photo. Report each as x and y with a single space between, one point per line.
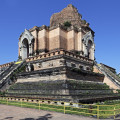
67 31
57 62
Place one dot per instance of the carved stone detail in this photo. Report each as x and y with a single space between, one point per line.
62 62
89 46
40 65
50 64
23 48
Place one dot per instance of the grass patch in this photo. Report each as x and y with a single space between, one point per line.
101 110
83 110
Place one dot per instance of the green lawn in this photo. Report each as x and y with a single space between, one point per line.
104 110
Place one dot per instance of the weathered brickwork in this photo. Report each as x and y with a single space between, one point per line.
70 13
63 40
58 36
60 58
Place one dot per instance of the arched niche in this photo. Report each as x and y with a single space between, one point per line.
89 49
26 44
25 48
88 45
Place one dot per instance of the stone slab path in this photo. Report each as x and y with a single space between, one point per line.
18 113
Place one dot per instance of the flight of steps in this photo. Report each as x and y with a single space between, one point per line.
61 90
74 90
5 77
108 73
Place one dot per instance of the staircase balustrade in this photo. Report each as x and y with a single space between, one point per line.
5 78
114 78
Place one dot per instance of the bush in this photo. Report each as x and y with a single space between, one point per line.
2 93
67 24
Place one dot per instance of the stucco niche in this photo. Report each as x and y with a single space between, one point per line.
88 45
26 44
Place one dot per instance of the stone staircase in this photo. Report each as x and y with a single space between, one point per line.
5 75
69 89
62 90
6 71
112 76
3 69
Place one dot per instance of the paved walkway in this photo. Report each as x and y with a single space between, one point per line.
18 113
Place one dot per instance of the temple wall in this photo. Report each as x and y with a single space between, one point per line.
63 33
63 39
76 40
58 62
42 39
70 40
54 39
79 41
38 78
47 64
58 38
47 40
64 74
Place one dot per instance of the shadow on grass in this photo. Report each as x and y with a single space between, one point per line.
45 117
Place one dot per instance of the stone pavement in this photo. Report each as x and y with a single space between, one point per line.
18 113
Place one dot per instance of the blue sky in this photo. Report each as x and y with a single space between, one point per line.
103 16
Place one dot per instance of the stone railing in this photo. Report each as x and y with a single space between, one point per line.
6 65
111 73
108 73
59 52
5 79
